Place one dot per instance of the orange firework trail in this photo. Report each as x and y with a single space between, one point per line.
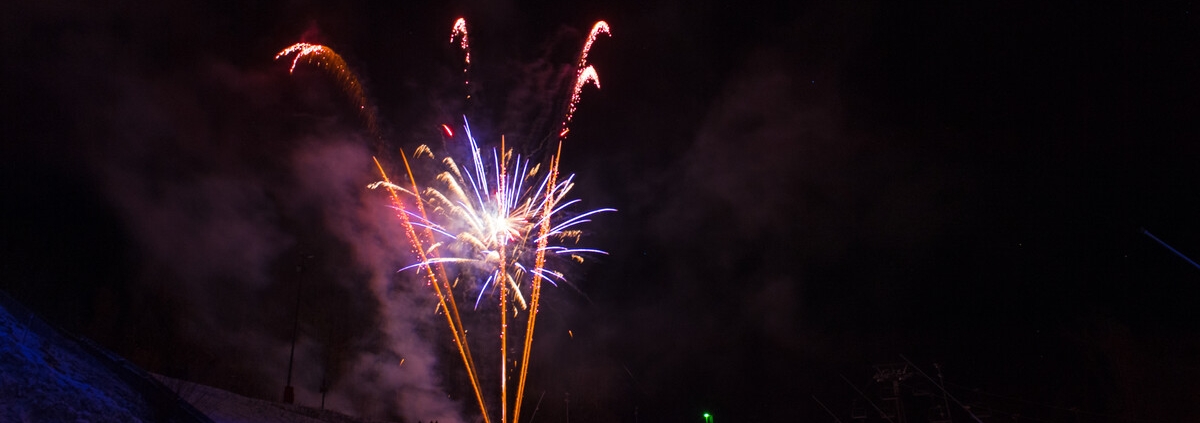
326 59
441 286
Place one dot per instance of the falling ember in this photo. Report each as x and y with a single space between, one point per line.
326 59
446 130
460 31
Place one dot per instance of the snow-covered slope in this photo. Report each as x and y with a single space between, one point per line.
226 407
47 375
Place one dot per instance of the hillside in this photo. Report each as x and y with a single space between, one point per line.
48 375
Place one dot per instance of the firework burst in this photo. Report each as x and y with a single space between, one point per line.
488 216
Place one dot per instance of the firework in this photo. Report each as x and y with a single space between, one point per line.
329 61
489 215
496 219
493 220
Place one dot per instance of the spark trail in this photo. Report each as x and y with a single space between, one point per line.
601 27
584 73
587 75
459 30
325 58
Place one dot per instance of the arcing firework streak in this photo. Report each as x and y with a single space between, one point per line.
325 58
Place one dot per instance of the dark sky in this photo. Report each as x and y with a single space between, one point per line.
803 192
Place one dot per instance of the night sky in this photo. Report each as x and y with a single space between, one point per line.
804 192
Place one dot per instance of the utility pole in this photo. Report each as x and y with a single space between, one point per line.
876 407
324 390
944 396
537 407
944 391
289 393
827 410
894 373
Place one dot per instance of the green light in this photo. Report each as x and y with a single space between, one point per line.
706 415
